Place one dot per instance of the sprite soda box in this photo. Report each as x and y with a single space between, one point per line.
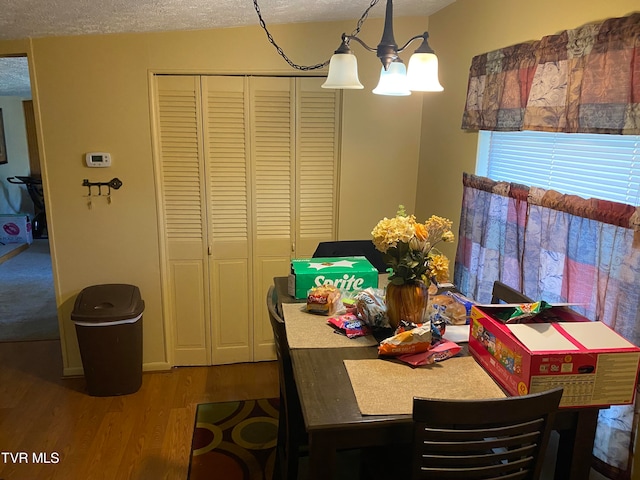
345 273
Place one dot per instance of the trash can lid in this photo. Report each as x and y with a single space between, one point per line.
107 302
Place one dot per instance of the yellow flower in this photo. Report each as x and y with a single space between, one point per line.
408 246
389 231
439 267
439 228
448 236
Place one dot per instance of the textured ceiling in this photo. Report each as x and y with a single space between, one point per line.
14 77
44 18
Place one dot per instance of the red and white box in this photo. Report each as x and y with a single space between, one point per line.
15 229
594 364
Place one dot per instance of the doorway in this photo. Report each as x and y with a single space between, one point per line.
27 300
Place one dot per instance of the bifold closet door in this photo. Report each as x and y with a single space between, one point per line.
228 171
180 173
248 179
318 113
273 148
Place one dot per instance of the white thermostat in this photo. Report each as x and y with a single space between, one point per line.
98 159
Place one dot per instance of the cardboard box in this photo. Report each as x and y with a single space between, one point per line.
15 229
595 365
346 273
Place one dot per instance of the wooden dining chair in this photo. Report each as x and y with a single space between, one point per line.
504 293
503 438
292 436
351 248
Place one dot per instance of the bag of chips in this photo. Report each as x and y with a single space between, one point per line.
350 325
407 340
524 312
437 353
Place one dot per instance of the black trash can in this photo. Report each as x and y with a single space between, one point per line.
108 320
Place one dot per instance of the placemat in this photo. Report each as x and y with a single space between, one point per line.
306 330
385 387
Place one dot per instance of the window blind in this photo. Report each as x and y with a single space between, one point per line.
587 165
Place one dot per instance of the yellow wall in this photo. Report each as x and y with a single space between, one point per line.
91 93
457 33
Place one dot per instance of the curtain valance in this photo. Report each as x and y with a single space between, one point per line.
612 213
585 80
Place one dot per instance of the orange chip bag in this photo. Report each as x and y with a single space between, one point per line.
408 341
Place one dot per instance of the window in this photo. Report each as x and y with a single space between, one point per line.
588 165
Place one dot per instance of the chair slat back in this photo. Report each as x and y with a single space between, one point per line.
504 293
483 439
291 431
282 345
351 248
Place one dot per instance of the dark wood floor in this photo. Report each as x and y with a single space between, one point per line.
146 435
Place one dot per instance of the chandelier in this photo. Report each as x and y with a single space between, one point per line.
395 79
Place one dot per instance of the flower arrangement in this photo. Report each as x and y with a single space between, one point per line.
408 247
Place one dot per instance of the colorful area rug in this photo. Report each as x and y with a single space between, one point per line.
235 440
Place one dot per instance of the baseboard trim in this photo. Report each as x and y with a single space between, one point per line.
147 367
73 372
156 367
10 250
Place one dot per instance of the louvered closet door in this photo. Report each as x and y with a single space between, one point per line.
227 144
273 160
180 170
317 154
295 163
248 177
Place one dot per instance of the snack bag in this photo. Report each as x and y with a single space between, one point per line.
371 309
350 301
437 353
523 312
437 329
407 340
350 325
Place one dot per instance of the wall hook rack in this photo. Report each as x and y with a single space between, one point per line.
115 183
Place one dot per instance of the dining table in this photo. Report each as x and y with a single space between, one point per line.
332 376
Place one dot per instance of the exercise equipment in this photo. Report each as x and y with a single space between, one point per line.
34 188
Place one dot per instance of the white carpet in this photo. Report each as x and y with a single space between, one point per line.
27 299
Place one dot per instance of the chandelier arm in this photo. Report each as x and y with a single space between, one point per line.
353 37
423 36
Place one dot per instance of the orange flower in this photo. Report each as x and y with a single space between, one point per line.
421 231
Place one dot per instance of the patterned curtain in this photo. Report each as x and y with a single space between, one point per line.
560 248
585 80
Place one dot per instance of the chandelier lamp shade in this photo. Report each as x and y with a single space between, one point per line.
395 79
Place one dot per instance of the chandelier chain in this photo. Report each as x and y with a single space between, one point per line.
363 18
284 55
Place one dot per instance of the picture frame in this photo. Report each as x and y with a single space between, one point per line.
3 143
